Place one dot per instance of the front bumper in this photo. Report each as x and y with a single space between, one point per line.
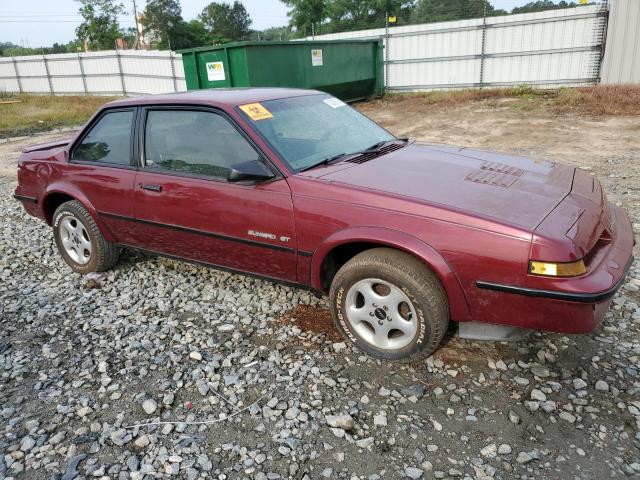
578 297
570 305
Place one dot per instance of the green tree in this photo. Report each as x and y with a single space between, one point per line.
542 5
356 15
226 22
428 11
159 20
9 49
273 33
189 35
306 14
100 23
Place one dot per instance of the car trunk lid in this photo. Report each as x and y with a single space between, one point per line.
47 145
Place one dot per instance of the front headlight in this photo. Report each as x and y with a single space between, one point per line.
551 269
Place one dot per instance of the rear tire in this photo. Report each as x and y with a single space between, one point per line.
79 240
389 304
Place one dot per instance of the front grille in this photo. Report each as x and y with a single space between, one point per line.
365 157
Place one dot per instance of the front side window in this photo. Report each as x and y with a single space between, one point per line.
194 143
109 140
307 129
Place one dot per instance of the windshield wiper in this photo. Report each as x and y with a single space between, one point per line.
377 146
327 161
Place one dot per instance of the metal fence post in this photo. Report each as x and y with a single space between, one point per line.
602 40
15 68
124 89
386 53
484 41
173 72
46 69
82 75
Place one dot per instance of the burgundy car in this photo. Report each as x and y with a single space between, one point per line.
298 187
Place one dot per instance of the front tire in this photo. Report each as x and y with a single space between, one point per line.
389 304
79 240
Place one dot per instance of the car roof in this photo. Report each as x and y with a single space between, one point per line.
220 97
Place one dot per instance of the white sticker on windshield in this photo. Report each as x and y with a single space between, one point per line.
334 102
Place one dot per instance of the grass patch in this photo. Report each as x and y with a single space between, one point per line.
602 100
35 113
594 101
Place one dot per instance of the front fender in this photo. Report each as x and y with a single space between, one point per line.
458 305
72 191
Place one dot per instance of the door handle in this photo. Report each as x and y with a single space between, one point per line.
153 188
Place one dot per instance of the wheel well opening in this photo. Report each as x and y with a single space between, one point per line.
52 202
340 255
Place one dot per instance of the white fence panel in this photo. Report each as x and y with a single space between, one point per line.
556 47
112 72
621 62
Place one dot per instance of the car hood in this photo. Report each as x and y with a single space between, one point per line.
515 190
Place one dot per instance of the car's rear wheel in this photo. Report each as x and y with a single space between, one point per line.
389 304
79 240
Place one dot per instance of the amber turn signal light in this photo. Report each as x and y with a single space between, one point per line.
552 269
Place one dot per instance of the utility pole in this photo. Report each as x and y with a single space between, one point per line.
135 16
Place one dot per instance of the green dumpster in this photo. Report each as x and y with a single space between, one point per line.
350 70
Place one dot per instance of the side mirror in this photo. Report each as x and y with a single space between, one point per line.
253 170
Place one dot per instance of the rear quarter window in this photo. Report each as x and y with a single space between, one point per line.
108 141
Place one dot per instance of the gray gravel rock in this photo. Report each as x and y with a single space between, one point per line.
524 457
413 472
504 449
345 422
149 406
242 391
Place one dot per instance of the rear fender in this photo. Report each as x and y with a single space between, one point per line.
458 306
76 194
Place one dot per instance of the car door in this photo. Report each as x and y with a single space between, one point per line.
185 207
102 167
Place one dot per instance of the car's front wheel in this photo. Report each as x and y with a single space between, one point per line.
79 240
389 304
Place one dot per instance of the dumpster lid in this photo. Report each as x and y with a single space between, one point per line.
255 43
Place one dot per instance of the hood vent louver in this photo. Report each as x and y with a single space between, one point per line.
365 157
497 174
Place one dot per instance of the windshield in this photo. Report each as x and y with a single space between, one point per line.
307 130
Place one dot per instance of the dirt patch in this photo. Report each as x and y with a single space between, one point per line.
314 320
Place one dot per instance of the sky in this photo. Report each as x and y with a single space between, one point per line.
35 23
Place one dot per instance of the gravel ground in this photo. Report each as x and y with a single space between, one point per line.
232 386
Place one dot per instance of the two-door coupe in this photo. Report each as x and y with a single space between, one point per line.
296 186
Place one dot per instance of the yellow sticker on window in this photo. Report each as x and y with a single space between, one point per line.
256 111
